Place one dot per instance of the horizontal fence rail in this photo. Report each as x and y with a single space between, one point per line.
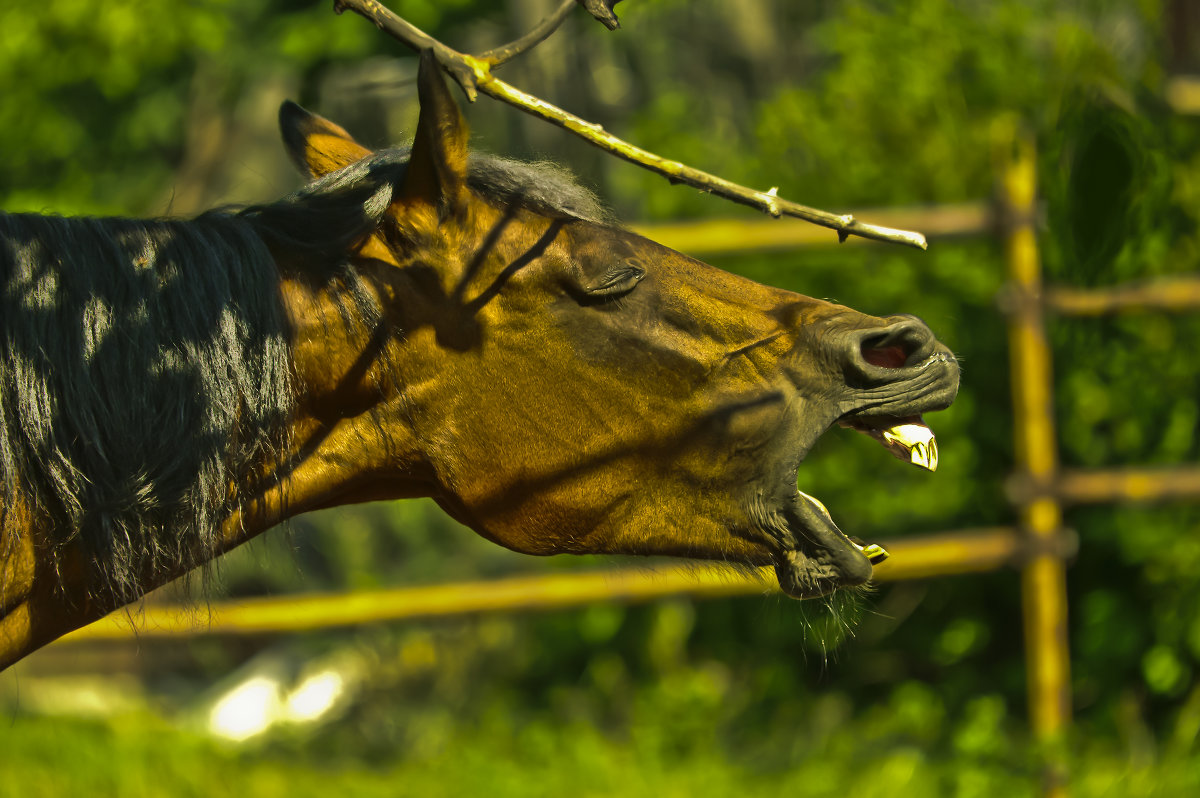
1130 485
967 551
1174 294
1143 485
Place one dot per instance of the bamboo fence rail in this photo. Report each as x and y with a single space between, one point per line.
912 558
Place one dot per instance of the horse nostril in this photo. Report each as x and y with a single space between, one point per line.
888 357
896 346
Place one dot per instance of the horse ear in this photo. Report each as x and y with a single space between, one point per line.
316 145
437 168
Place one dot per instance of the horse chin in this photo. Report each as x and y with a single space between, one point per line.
820 557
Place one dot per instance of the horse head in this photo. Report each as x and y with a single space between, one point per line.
560 384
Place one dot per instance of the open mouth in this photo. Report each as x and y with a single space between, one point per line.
833 559
820 558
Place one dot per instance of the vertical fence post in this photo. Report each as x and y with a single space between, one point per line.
1043 575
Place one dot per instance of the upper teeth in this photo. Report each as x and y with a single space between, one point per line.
909 440
912 442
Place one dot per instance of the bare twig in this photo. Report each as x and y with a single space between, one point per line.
458 65
474 75
676 172
547 26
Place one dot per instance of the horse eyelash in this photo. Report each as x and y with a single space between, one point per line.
613 278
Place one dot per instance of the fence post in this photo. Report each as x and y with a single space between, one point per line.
1043 575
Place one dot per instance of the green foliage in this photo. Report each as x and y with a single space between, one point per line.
906 745
96 99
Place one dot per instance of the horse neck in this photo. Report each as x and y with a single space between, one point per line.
350 440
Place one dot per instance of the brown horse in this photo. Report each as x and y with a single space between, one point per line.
416 324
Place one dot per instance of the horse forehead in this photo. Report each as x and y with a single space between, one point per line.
496 230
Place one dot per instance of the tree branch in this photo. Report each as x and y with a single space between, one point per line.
474 75
457 65
547 26
676 172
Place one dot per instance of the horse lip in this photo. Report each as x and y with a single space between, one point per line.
819 558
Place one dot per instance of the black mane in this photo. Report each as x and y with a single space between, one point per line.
145 369
542 187
144 365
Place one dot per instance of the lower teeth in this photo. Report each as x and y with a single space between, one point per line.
875 553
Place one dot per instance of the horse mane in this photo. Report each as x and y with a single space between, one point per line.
145 367
145 370
541 186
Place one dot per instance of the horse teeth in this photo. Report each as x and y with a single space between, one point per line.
875 553
913 442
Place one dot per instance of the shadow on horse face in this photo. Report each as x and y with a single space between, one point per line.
560 384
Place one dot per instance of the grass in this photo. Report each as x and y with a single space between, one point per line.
141 756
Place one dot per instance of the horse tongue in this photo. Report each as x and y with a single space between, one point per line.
909 439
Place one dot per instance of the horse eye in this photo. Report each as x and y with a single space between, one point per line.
620 279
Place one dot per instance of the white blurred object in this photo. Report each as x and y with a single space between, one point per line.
272 690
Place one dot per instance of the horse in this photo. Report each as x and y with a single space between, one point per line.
416 322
